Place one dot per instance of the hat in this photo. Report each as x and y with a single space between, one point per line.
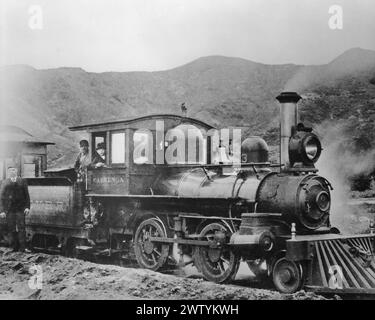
83 143
100 145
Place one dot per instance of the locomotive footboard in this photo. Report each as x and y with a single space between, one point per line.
335 264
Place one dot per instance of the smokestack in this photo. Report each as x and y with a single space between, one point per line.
288 119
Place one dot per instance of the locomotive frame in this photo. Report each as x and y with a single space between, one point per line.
275 217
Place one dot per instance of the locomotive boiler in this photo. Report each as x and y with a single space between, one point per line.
204 210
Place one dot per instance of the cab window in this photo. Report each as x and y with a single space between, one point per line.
186 145
99 140
118 147
143 147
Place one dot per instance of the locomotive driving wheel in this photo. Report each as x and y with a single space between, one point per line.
150 255
287 276
217 263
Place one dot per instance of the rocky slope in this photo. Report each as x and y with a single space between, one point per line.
220 90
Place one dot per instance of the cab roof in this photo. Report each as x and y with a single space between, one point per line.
126 123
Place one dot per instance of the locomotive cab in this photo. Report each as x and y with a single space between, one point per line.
135 149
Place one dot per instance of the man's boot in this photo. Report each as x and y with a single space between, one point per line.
13 243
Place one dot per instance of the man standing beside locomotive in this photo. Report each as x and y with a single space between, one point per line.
82 161
15 205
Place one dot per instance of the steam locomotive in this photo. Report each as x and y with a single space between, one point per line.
205 211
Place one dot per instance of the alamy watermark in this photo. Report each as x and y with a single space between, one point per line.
36 280
336 19
187 144
35 17
336 277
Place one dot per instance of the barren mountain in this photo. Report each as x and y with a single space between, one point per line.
220 90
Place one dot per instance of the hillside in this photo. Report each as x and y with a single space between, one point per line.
220 90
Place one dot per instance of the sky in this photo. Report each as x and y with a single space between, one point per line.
150 35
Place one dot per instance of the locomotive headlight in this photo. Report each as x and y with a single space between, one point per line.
304 147
312 148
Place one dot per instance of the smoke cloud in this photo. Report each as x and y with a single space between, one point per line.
337 164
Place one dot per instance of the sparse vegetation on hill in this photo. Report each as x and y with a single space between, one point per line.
220 90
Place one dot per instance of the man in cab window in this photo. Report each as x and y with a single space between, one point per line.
99 158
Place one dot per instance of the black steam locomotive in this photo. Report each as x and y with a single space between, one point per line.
204 210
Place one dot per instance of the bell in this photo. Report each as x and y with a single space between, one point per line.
223 158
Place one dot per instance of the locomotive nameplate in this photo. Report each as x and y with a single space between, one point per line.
108 181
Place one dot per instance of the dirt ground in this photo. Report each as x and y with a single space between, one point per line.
66 278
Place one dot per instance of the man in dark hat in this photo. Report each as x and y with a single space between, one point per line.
82 161
15 205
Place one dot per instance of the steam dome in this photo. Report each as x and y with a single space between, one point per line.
254 149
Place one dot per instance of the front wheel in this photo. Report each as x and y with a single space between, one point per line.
287 276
